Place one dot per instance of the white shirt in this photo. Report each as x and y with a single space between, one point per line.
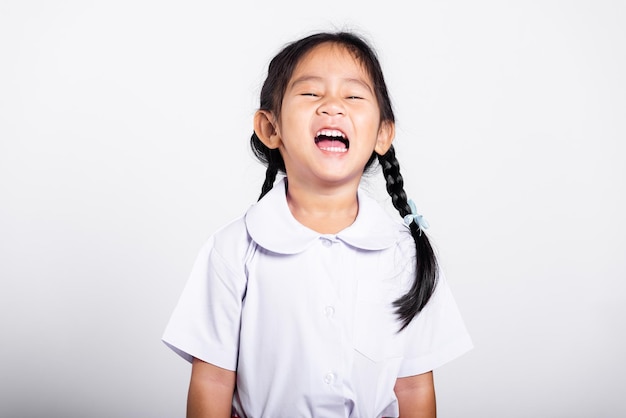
306 319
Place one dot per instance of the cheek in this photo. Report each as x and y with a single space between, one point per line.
368 125
291 115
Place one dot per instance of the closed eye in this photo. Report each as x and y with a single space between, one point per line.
309 94
355 97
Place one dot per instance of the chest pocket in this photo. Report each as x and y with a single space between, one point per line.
376 328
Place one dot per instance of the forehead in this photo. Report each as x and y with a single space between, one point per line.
329 60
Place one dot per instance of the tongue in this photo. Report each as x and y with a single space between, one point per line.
327 143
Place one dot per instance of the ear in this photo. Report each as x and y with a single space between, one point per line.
386 134
265 129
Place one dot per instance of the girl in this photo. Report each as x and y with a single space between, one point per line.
316 303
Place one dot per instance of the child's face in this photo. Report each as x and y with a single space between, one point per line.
329 122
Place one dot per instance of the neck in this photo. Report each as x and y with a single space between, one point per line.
326 210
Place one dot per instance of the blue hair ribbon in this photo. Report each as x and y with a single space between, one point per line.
415 217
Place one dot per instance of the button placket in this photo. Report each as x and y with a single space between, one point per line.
331 251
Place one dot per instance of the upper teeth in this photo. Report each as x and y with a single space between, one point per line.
331 133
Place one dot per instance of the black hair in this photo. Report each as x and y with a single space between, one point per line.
279 73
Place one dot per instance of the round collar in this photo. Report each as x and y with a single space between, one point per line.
272 226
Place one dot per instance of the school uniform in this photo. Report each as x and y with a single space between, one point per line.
306 319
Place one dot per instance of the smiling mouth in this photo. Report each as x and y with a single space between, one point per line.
332 140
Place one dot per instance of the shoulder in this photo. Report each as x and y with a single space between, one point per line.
231 243
232 233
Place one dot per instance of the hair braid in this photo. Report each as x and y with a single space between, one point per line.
394 181
410 304
271 158
270 177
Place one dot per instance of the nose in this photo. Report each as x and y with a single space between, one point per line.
331 106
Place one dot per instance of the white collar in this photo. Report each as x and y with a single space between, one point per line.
272 226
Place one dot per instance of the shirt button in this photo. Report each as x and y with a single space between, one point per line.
329 378
326 242
329 311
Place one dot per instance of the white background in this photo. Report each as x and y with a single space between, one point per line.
124 130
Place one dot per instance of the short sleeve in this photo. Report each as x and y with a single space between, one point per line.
206 321
437 335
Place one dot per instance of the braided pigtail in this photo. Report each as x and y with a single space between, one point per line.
268 184
271 158
410 304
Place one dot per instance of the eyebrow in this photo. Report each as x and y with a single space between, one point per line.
306 78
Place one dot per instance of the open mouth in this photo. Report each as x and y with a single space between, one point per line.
332 140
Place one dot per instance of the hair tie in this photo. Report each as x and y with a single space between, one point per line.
415 217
